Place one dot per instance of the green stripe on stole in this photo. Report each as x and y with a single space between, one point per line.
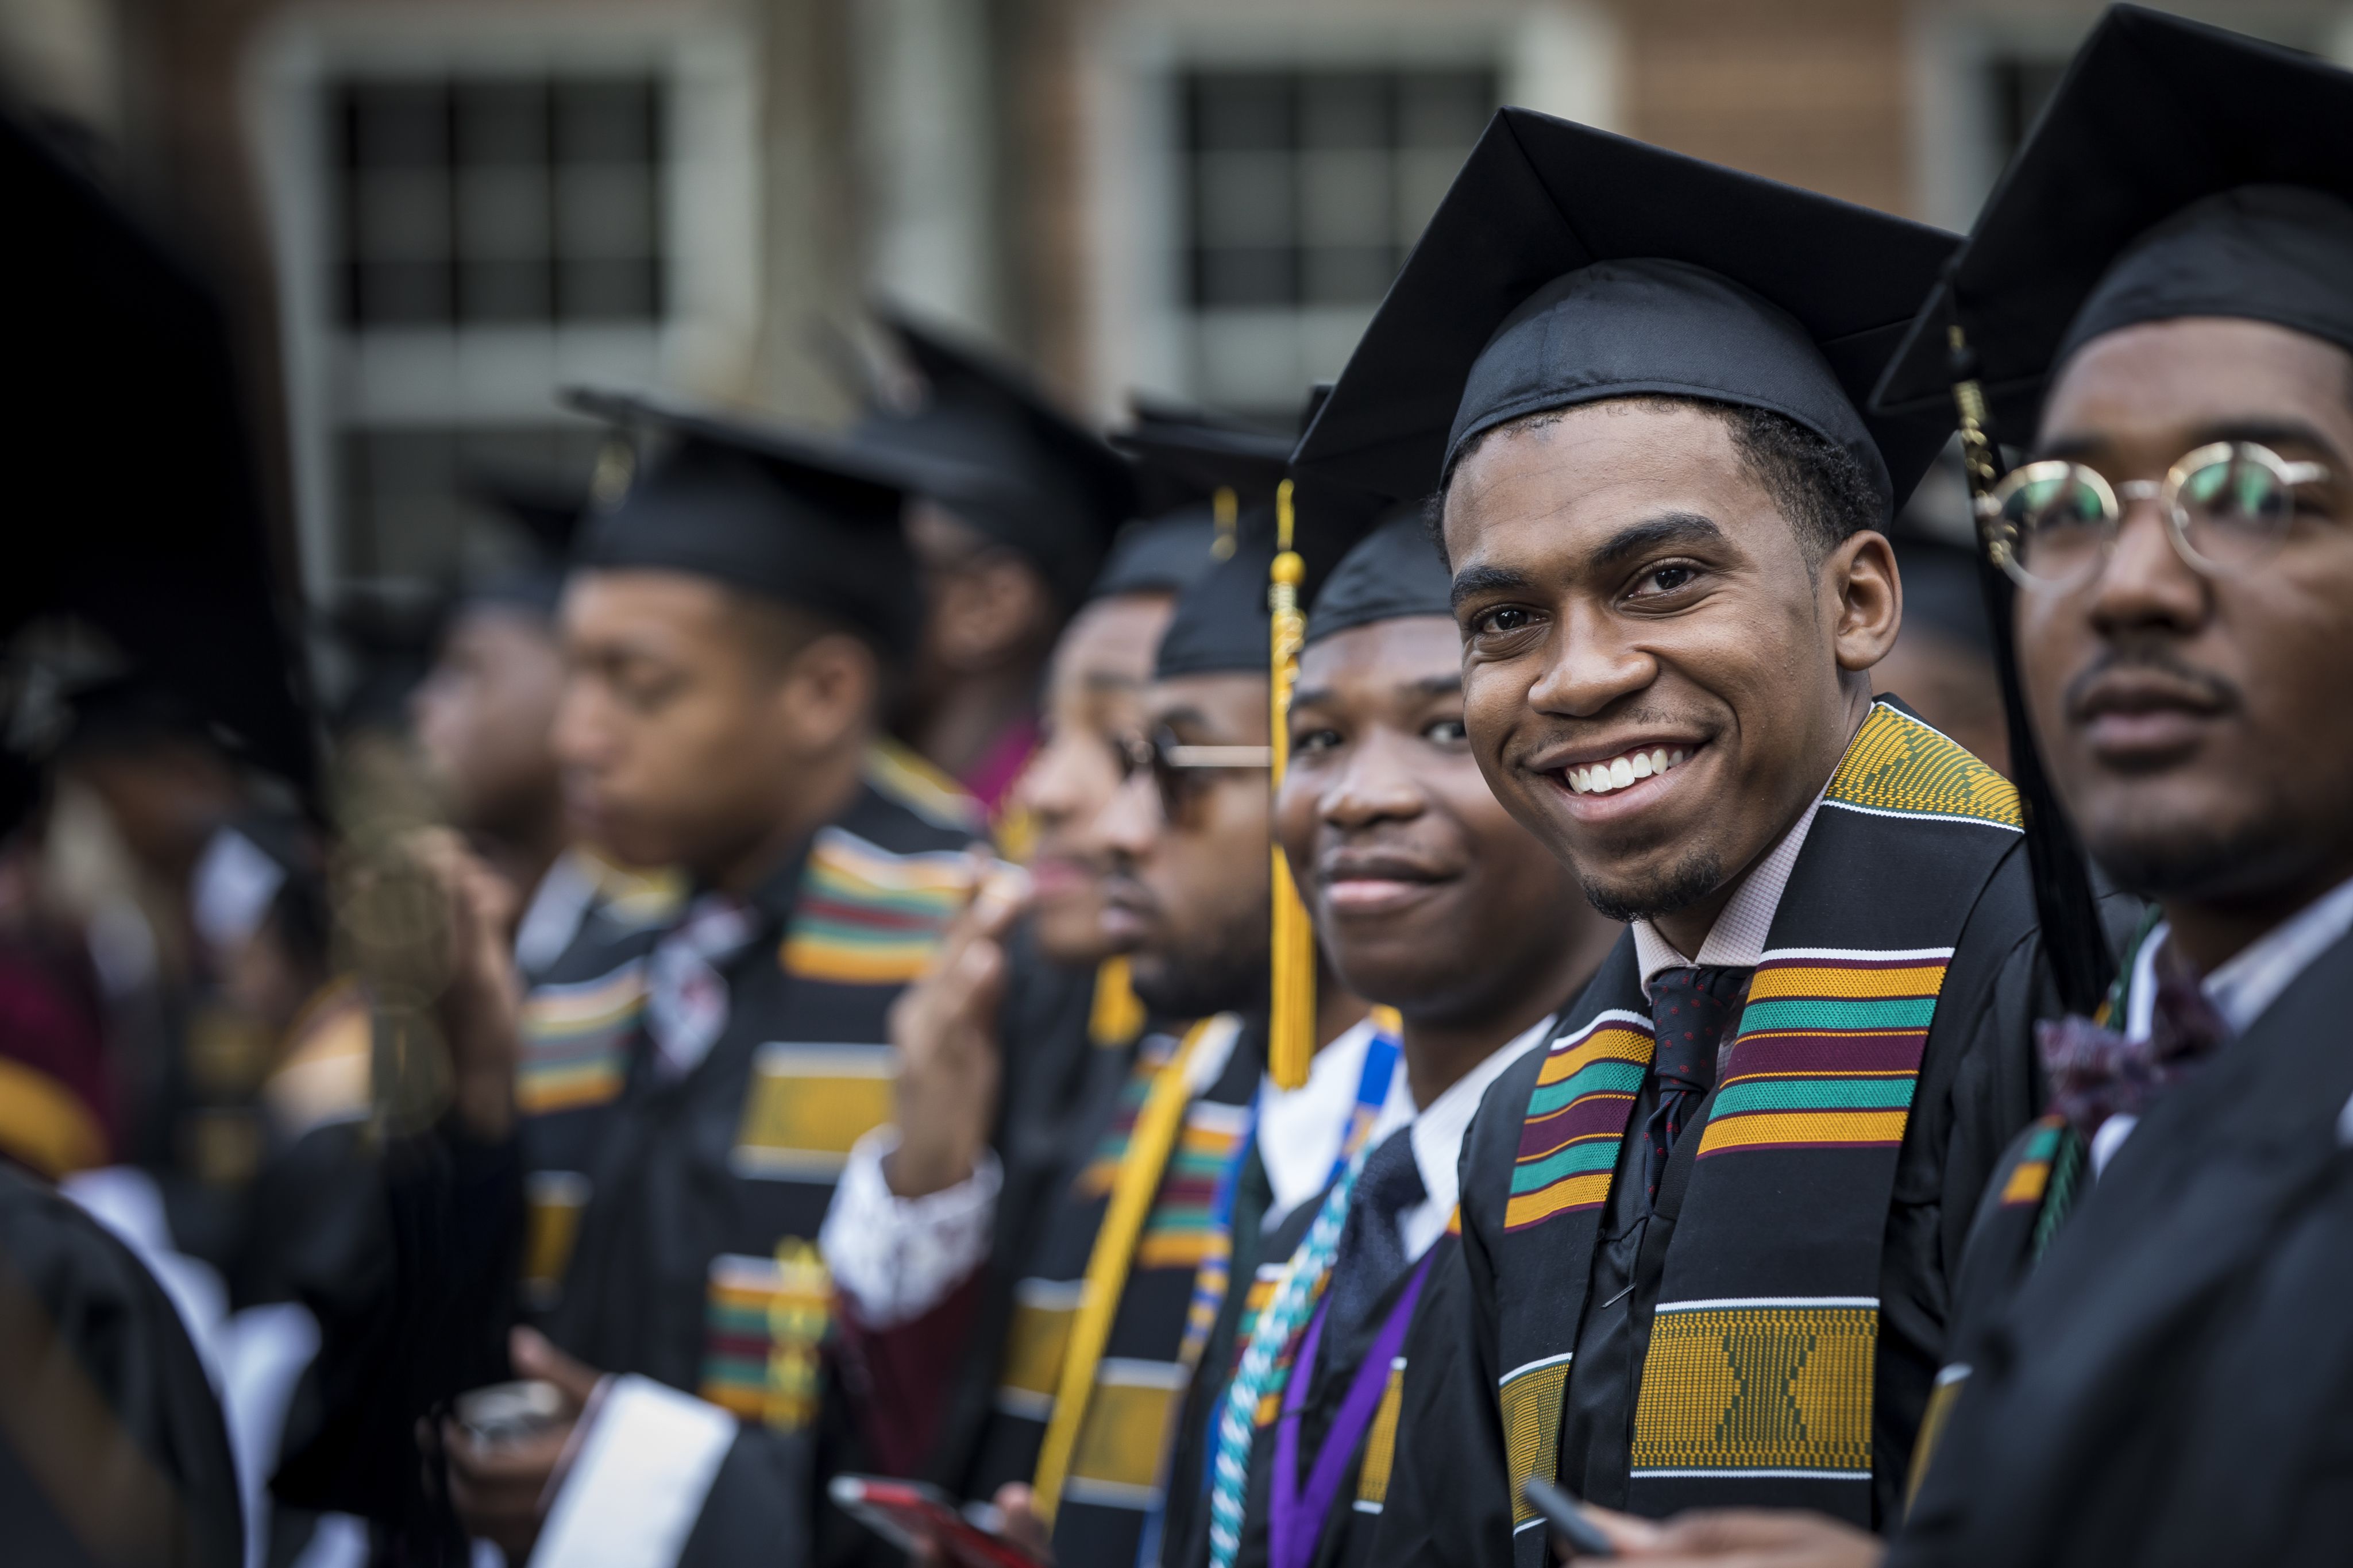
1761 1359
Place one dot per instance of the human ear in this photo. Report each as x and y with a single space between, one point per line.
1864 594
828 690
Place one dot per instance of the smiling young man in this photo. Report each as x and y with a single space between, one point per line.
1707 1231
2151 1362
674 1103
1076 1446
1427 898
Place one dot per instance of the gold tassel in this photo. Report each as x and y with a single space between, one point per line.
1226 509
1291 1026
1978 458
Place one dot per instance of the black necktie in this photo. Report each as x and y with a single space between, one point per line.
1691 1010
1371 1254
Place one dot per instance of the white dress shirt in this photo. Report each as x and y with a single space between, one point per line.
1438 1135
1737 940
2242 988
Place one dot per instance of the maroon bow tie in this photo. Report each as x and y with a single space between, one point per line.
2096 1073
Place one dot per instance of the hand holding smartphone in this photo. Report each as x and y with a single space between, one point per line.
911 1515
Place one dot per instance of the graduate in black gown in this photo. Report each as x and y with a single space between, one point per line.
651 1144
2150 1362
1019 1037
1008 536
113 1448
1431 901
2153 1363
1708 1231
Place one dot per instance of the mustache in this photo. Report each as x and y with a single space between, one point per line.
2152 656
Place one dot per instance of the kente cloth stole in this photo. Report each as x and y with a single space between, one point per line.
1762 1349
1137 1182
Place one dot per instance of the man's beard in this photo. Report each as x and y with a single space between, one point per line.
2192 861
1682 885
1225 974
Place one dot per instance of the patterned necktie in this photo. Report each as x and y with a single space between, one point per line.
2096 1073
1371 1251
1691 1010
686 994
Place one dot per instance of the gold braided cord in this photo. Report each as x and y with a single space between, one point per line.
1291 1026
1131 1191
1977 457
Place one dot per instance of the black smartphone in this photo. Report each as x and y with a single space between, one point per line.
1565 1517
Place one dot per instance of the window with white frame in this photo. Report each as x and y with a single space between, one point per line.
498 200
1300 191
473 209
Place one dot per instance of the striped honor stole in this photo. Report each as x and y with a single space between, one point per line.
1763 1345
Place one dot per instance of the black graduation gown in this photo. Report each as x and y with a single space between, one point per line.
2171 1382
1345 1539
1063 1067
1820 1224
670 1226
111 1445
1115 1479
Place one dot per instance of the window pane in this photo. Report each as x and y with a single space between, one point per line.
1242 112
604 210
608 290
1345 111
605 123
502 122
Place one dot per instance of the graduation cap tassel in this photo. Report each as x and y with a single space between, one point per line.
1291 1028
1226 508
2080 963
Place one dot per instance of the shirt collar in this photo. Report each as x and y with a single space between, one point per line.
2244 986
1299 1129
1737 940
1438 1134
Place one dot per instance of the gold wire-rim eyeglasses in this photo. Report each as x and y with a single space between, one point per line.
2227 505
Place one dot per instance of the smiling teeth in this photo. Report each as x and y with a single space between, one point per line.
1600 778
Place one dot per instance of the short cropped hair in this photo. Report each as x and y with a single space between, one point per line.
1823 488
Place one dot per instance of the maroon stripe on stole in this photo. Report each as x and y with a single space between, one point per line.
1601 1113
1897 1052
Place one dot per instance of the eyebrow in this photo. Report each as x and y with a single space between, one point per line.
1103 680
1684 528
2089 445
1687 529
1447 685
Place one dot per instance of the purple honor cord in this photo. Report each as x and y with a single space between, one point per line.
1295 1521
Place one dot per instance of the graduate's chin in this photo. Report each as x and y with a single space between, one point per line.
1652 891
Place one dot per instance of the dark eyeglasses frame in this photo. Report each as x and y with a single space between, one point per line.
1179 770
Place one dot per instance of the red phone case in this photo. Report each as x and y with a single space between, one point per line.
907 1513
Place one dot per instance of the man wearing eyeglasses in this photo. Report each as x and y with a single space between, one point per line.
2152 1362
1708 1230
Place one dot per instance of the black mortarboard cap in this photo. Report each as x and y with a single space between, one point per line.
1567 265
1024 472
794 516
2179 170
542 518
1164 555
133 495
1222 623
1195 455
1393 571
